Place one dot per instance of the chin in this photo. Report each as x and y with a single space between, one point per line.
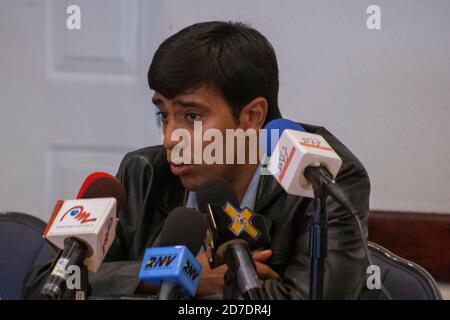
191 183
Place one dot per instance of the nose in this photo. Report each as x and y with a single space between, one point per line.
168 128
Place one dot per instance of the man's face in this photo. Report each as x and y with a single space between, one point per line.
205 105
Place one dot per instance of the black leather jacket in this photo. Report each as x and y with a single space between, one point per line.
153 192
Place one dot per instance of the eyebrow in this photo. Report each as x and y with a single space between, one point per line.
157 101
192 104
183 103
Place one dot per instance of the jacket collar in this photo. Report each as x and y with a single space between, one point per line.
268 190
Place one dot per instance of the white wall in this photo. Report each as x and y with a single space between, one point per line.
384 93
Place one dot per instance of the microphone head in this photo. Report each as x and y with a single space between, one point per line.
215 191
274 130
186 227
294 152
103 185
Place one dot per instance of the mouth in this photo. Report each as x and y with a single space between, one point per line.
179 169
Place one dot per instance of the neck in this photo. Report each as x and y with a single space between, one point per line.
242 178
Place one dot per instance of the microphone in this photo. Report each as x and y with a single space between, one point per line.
83 229
232 233
227 220
304 163
171 261
103 185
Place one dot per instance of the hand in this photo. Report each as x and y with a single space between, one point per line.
263 270
211 281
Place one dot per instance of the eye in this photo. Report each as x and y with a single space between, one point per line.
192 116
162 115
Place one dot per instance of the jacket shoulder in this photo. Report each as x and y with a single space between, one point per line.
149 167
349 160
154 155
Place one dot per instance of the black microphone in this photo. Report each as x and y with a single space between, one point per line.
215 194
215 191
232 231
185 227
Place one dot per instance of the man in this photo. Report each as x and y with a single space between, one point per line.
225 75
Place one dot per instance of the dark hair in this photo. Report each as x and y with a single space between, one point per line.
233 58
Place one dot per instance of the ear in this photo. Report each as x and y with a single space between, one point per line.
254 114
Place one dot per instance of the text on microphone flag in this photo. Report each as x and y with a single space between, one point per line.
79 214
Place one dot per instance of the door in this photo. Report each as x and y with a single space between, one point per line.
73 101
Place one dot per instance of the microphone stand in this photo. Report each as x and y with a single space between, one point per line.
323 186
318 234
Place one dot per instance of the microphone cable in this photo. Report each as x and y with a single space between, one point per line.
367 253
